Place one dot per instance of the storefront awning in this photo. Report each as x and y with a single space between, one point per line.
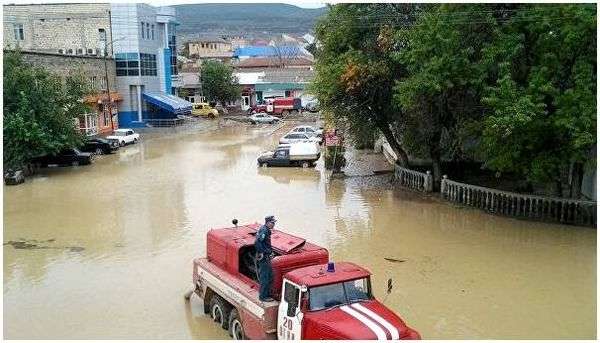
169 102
261 87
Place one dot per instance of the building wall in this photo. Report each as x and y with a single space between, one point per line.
94 69
53 27
208 48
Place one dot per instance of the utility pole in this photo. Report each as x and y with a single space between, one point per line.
106 45
112 125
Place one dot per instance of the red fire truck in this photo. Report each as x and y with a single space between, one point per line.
279 106
314 298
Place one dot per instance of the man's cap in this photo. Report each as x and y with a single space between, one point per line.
270 219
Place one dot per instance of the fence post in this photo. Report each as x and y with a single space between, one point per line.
428 182
443 184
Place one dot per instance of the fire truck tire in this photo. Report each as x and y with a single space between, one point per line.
236 330
294 112
285 113
219 311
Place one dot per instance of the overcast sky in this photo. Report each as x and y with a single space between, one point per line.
304 4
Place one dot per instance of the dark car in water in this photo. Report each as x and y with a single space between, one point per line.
99 146
67 157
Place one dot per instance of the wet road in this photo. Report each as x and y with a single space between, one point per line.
104 251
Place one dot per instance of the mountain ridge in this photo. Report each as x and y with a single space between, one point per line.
251 19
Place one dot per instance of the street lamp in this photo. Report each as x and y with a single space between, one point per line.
112 125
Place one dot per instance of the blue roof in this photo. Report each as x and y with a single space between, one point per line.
264 51
169 102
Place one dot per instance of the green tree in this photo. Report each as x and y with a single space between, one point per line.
40 111
444 78
542 118
218 82
355 68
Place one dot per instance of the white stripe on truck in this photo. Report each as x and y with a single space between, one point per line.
393 331
221 287
368 322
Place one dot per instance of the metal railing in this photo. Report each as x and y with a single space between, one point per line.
568 211
164 122
413 179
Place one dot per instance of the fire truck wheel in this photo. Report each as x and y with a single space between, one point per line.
219 311
236 330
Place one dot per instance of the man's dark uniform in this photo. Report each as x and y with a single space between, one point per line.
263 259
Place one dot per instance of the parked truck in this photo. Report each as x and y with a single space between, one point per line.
302 154
279 106
314 298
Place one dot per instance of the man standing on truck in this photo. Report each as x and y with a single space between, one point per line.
264 254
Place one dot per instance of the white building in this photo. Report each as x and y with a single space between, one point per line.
144 46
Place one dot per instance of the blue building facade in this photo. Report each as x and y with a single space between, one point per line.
144 45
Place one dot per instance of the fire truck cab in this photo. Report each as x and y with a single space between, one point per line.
314 298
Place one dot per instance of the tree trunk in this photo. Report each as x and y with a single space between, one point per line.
436 159
391 139
576 180
558 187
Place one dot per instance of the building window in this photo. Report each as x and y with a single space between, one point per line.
152 31
173 47
143 26
18 29
147 31
148 64
102 35
127 64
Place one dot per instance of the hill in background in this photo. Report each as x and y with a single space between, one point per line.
251 20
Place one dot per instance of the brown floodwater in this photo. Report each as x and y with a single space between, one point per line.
105 251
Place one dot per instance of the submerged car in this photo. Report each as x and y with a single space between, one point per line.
303 154
99 146
124 136
293 137
308 130
203 109
64 158
260 118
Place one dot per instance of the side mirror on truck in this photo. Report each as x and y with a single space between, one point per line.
389 286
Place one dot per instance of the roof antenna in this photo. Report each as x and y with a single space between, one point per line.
234 222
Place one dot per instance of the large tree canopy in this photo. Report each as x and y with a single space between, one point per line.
542 117
512 86
40 111
218 82
444 78
355 68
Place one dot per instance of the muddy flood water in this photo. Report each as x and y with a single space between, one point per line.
105 251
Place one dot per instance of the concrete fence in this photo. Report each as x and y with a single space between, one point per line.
412 179
568 211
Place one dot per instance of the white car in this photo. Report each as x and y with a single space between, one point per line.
124 136
307 129
293 137
263 118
